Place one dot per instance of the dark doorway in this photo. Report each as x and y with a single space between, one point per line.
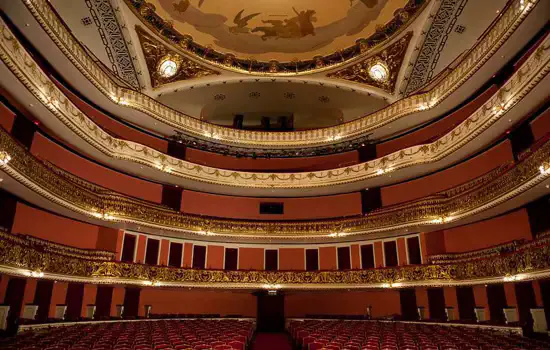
271 312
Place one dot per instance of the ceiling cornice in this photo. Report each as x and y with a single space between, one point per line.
146 13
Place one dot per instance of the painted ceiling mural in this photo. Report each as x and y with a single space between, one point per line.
283 30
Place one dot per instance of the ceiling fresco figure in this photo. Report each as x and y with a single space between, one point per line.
288 27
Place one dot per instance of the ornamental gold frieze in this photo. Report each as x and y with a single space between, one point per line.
39 84
485 48
388 62
528 261
157 54
91 200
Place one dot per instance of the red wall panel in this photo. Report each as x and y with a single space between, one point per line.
164 246
140 251
422 300
448 178
169 301
28 296
541 125
187 254
384 303
7 117
273 164
41 224
327 258
90 292
215 255
128 185
485 234
355 257
378 254
118 299
251 259
292 259
59 295
249 207
109 239
401 251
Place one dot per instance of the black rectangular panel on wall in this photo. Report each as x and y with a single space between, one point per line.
367 256
409 311
390 253
8 203
272 208
14 299
176 254
131 302
521 138
344 258
525 295
199 257
367 152
312 259
152 252
370 199
436 304
23 130
231 258
43 298
466 303
413 246
271 260
171 197
75 294
539 219
128 248
497 302
176 149
103 300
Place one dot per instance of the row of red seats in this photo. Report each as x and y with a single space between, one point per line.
375 335
145 335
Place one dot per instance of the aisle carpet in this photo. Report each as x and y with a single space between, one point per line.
272 341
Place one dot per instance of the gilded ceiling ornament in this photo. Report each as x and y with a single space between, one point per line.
380 70
300 24
166 66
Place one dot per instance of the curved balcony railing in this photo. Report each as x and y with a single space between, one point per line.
445 207
38 83
22 257
501 30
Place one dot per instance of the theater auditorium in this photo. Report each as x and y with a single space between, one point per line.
275 174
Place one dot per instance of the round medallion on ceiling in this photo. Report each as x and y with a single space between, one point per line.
168 67
379 72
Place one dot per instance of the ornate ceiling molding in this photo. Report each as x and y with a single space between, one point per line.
39 84
99 203
498 34
19 257
146 12
434 42
156 53
390 58
114 40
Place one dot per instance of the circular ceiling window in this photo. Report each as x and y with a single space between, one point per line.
379 72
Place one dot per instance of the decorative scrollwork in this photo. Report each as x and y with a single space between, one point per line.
154 53
20 253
